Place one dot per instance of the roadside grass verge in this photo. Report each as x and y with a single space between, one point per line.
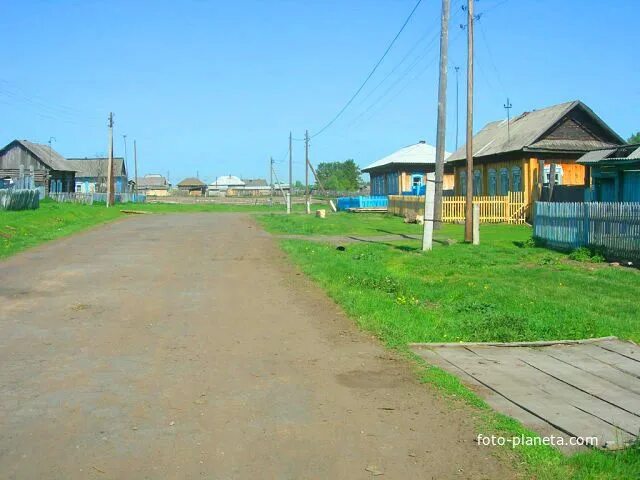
341 223
28 228
502 290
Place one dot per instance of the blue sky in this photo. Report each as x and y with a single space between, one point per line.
214 87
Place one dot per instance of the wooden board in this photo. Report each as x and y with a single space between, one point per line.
579 390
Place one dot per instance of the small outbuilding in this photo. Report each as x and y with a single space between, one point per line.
615 173
154 185
405 171
223 183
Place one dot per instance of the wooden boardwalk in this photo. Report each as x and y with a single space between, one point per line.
589 389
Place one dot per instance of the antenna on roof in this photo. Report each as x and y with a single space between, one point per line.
507 106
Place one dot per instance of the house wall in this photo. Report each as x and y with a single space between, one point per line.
528 165
395 182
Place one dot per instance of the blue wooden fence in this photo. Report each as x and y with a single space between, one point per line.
611 227
377 201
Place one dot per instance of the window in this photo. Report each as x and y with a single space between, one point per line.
463 182
558 175
504 181
492 182
516 179
477 182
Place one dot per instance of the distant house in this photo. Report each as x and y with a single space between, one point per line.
51 171
508 157
224 183
615 173
404 171
154 185
194 186
92 174
253 187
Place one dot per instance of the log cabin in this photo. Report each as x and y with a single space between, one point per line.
509 156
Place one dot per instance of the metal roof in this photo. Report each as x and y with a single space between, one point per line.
525 130
420 153
97 167
255 182
611 155
227 181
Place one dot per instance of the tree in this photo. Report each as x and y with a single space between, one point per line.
634 138
339 176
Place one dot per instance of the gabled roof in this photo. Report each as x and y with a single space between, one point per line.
611 155
420 153
152 181
255 182
97 166
226 181
529 130
45 154
192 182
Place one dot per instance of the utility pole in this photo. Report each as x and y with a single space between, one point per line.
442 121
468 223
135 167
507 106
306 172
457 103
271 181
290 205
110 193
124 137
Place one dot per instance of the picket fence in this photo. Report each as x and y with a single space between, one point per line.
89 198
19 199
612 227
509 208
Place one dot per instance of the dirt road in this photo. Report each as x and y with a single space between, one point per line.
184 346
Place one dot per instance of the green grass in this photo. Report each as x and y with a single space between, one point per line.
340 223
502 290
28 228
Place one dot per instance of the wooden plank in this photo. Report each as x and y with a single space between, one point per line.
537 343
616 360
563 392
591 384
579 359
515 383
628 349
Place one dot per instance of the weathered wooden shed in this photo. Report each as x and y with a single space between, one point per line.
194 186
52 172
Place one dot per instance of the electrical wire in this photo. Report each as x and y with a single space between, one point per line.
373 70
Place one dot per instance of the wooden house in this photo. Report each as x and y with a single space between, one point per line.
194 186
92 174
51 171
154 185
405 171
615 173
516 156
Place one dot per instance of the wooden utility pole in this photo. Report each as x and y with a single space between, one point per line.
125 160
135 167
110 192
468 211
289 206
457 103
271 180
442 122
306 172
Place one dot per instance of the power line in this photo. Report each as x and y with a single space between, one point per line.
373 70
